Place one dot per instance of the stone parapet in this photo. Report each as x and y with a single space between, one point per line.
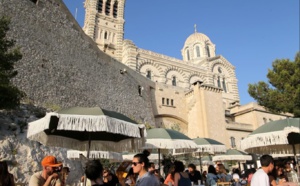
240 127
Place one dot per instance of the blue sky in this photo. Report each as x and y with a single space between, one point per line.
250 34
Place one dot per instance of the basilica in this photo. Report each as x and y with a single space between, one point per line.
196 95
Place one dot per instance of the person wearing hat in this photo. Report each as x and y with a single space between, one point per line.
48 176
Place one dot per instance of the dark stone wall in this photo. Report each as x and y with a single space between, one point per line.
62 67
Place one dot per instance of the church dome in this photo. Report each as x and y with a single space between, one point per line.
197 47
196 37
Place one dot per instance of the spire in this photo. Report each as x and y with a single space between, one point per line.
195 26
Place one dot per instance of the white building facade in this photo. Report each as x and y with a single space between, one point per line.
197 95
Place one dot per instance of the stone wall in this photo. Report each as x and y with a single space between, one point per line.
62 67
24 156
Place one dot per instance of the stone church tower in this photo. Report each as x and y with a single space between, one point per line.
104 23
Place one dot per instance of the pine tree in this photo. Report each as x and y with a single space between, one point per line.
10 95
282 93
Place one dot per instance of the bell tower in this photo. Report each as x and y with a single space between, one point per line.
104 23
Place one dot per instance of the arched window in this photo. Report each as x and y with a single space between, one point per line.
148 74
219 82
100 6
174 81
220 70
107 7
105 35
224 85
198 51
140 89
232 141
207 50
188 55
115 11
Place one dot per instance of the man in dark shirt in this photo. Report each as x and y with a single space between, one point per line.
194 174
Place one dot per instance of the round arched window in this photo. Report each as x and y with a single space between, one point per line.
220 70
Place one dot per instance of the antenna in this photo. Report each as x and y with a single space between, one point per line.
76 14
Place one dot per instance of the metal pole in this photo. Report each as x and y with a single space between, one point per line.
159 162
88 155
200 159
295 157
89 147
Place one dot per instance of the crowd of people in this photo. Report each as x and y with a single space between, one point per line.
271 173
144 173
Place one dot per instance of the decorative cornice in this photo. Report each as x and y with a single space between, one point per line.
172 59
213 58
239 127
211 88
110 19
223 61
255 109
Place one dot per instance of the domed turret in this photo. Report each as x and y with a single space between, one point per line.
196 47
196 37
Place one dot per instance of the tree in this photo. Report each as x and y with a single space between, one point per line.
282 93
10 95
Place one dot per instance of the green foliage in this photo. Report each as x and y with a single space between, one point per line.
105 163
10 95
167 162
282 93
175 126
52 106
148 126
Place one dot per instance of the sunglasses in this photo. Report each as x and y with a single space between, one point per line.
135 163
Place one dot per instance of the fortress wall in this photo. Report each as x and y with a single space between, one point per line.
62 67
